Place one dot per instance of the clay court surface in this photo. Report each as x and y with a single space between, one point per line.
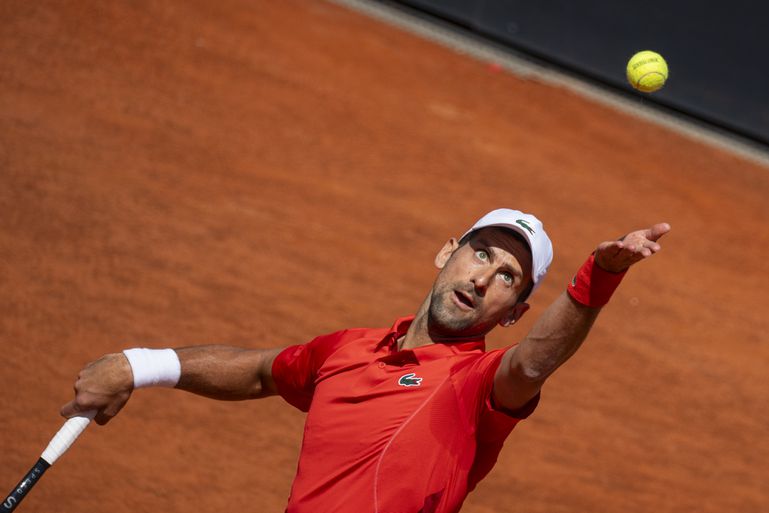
257 173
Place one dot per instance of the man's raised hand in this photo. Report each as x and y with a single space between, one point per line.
617 256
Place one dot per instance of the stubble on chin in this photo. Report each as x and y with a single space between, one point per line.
444 318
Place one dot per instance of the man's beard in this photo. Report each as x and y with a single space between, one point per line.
445 319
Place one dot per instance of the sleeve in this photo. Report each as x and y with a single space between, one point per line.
494 422
295 369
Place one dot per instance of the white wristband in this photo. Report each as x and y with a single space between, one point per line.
154 367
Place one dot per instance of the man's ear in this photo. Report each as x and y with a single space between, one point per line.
515 313
445 253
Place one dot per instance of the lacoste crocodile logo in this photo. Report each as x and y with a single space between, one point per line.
525 224
410 380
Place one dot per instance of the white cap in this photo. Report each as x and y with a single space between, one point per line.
532 230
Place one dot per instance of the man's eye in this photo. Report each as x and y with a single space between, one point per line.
507 278
482 255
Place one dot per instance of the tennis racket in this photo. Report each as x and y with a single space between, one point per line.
58 446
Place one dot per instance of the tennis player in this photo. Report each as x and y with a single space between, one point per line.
407 418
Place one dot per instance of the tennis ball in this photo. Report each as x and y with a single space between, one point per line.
647 71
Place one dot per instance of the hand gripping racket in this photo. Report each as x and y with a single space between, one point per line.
58 446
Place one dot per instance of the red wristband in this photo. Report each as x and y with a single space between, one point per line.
593 286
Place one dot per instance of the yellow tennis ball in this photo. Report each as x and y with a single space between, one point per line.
647 71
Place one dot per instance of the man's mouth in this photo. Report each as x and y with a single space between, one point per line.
463 298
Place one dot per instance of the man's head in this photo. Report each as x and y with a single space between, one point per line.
488 274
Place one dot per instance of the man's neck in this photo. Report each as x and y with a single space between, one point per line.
417 334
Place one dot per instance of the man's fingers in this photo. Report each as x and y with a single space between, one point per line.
611 247
629 255
70 409
108 412
617 256
102 418
83 402
652 234
657 231
103 415
645 247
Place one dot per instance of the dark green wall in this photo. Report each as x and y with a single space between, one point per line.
716 51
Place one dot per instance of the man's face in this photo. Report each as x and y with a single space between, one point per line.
479 284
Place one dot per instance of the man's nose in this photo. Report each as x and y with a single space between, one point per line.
481 281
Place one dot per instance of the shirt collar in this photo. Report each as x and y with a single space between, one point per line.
401 326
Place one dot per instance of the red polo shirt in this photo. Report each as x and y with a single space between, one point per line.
391 431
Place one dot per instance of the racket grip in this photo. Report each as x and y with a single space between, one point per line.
66 436
24 486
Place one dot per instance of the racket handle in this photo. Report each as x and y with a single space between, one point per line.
58 446
24 486
67 436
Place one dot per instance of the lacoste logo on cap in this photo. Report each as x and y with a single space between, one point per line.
410 380
525 225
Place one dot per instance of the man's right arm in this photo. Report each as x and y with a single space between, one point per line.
220 372
563 326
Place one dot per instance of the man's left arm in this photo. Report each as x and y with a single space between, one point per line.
562 328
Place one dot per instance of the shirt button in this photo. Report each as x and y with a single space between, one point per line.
381 365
